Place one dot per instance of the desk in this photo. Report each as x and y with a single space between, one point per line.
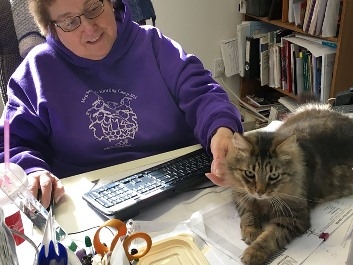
74 214
72 211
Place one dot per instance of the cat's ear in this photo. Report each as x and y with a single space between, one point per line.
288 147
240 143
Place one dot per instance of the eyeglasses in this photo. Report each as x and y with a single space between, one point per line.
72 23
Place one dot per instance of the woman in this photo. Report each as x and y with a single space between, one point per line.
102 90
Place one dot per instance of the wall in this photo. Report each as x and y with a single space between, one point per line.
200 26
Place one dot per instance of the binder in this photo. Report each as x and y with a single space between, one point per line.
252 58
275 10
249 29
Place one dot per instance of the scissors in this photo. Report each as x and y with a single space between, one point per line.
52 251
121 232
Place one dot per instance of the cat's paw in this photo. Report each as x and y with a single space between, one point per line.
250 233
252 256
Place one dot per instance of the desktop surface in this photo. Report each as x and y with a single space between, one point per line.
74 214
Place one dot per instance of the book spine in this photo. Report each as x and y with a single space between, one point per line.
283 67
310 16
305 71
288 66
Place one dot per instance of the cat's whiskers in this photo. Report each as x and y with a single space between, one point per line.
280 203
300 198
275 207
283 202
245 197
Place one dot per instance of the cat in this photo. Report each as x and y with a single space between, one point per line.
277 177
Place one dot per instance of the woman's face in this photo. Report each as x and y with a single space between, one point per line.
93 38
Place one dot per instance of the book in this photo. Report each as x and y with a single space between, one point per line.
277 66
290 12
330 23
299 8
278 112
261 116
271 65
263 101
283 66
289 103
229 50
300 74
305 56
294 54
328 55
288 63
317 40
309 14
246 102
320 16
327 64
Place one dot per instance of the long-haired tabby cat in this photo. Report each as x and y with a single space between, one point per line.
276 177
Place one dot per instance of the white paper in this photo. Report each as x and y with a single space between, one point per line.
221 229
118 256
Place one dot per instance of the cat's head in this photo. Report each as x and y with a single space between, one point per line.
265 165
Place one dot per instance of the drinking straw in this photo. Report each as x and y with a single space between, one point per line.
7 144
7 150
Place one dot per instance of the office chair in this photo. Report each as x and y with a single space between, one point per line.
9 51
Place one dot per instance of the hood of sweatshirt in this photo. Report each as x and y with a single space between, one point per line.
127 32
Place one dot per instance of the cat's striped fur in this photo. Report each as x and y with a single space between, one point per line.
278 176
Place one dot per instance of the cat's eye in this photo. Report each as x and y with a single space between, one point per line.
273 177
249 174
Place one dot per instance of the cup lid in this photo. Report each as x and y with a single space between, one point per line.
19 173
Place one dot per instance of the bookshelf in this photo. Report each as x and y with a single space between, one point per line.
342 78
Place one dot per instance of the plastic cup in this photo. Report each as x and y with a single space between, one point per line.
12 214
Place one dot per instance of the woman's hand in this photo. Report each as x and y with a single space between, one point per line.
219 148
47 184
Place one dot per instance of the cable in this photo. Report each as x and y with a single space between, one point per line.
30 241
82 231
228 88
201 195
201 188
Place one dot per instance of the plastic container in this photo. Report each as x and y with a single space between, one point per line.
12 214
178 250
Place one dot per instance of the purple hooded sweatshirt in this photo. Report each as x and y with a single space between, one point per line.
69 115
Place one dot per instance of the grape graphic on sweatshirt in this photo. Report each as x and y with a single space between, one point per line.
112 120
